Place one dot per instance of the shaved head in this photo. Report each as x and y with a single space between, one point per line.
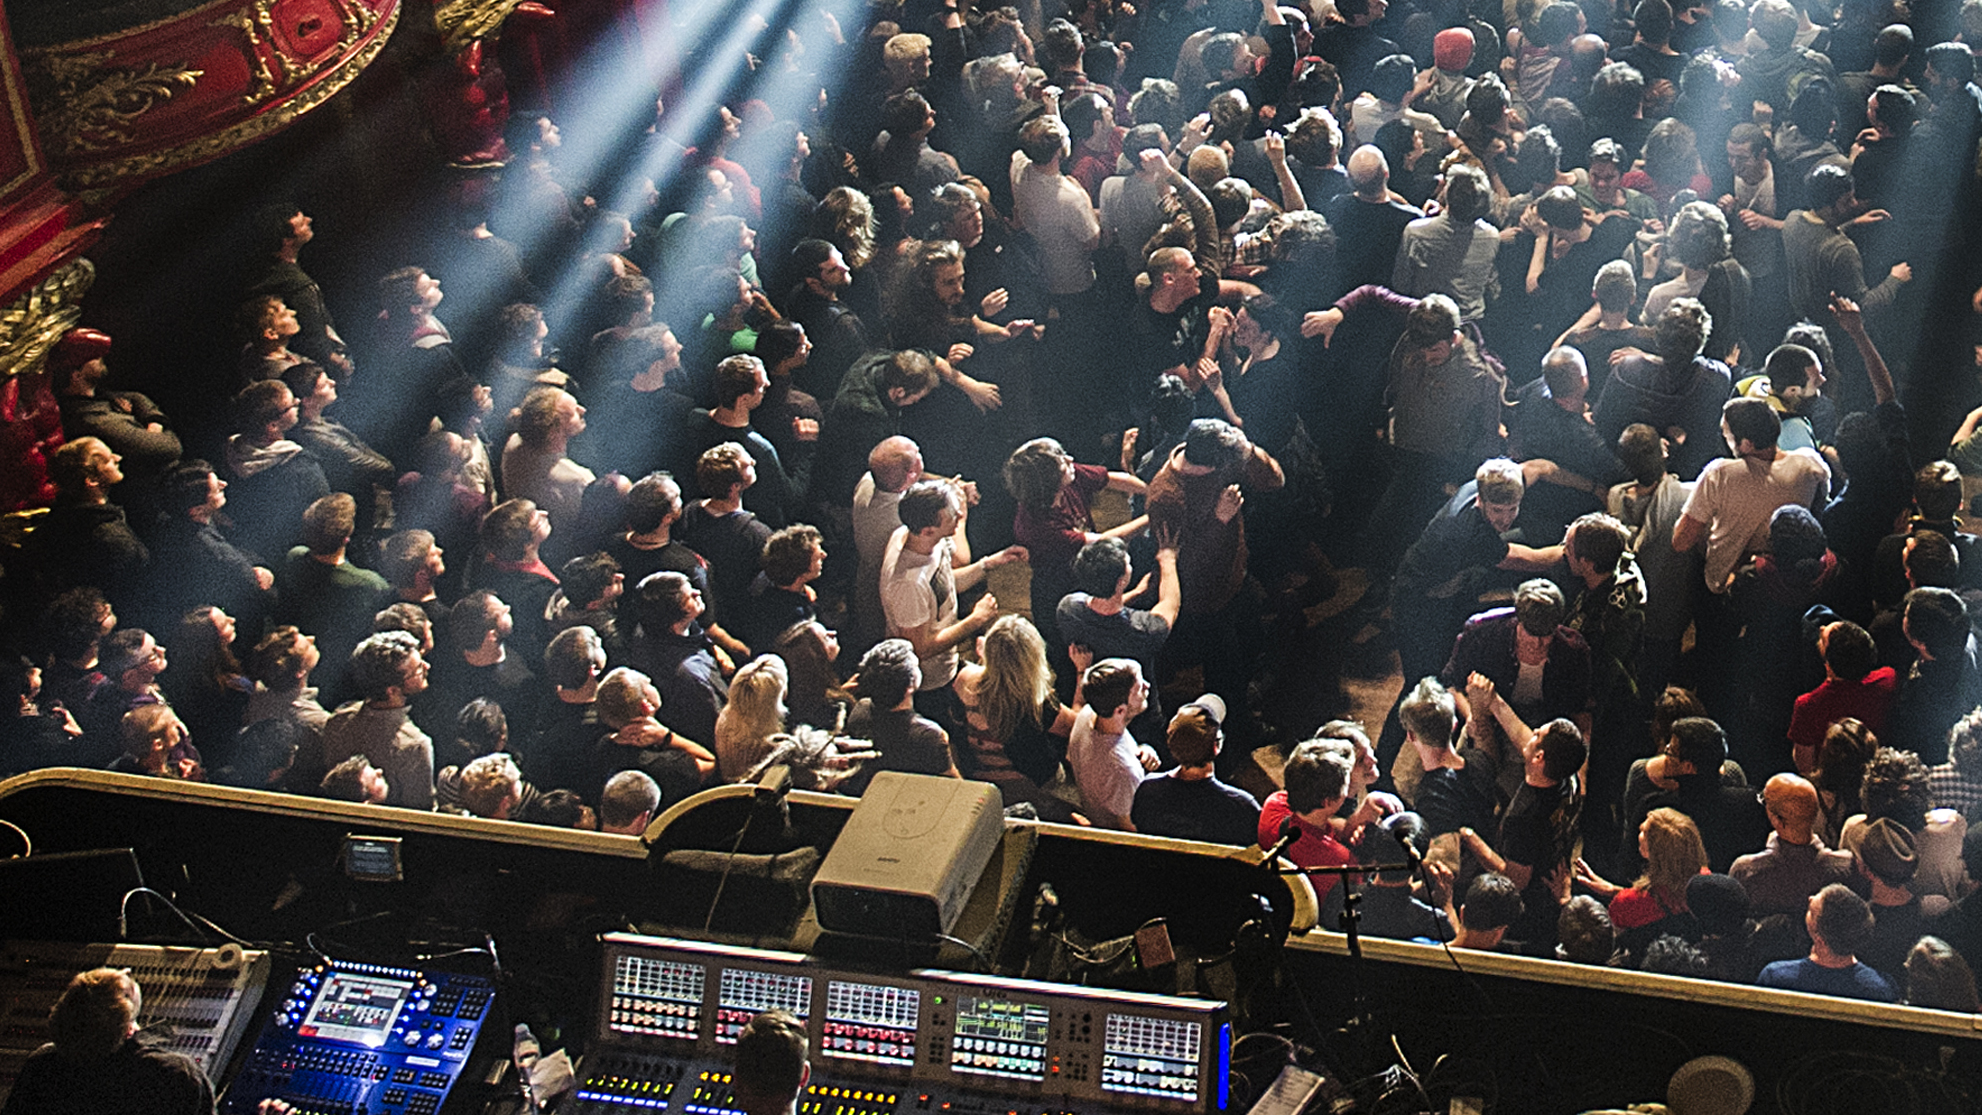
896 463
1369 171
1792 804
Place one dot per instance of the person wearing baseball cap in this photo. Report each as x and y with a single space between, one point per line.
1188 801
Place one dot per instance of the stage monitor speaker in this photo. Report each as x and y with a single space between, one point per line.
907 860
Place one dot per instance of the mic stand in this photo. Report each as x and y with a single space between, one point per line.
1361 1027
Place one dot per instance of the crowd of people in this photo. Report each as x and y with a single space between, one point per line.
1609 343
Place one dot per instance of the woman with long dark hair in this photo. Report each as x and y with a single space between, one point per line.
813 692
1055 516
207 684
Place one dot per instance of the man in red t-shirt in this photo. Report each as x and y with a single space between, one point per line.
1852 687
1317 779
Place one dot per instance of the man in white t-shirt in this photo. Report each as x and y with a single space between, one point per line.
1731 504
920 579
892 466
1107 762
1054 207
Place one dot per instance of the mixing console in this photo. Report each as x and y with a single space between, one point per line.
359 1039
944 1043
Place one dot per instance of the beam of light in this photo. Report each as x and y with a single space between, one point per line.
724 58
617 96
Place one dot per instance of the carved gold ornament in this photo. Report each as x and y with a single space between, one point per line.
31 325
257 27
460 22
94 108
264 85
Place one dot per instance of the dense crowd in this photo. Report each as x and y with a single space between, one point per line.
1612 347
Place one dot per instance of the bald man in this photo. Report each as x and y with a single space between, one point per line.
1795 864
892 466
1369 223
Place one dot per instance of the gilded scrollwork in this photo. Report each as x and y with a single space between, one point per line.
463 21
257 27
358 20
294 69
32 324
93 107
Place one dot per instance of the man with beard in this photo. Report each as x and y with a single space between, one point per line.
838 335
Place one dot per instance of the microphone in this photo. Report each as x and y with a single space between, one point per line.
1290 832
1408 830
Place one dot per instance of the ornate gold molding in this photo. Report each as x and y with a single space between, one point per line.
124 33
265 19
247 131
257 27
358 19
31 325
264 86
95 107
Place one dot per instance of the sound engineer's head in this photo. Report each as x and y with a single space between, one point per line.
96 1012
770 1064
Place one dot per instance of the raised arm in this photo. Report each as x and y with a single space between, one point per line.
931 638
1291 196
1204 225
1851 319
966 577
1530 559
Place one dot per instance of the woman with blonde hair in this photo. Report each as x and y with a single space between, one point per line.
845 219
755 713
1670 845
1015 728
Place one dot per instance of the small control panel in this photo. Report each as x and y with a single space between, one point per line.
360 1039
624 1083
617 1083
616 1080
